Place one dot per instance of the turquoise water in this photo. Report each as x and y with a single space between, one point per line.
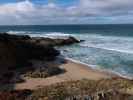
104 52
106 47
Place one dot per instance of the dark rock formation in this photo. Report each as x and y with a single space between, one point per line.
18 49
55 42
16 52
5 36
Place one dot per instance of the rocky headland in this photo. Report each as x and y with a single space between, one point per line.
17 52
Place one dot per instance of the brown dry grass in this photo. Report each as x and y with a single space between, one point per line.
108 89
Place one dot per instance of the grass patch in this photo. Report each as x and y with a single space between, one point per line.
111 89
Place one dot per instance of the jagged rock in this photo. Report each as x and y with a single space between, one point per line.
56 42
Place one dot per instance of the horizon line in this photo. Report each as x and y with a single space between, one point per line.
67 24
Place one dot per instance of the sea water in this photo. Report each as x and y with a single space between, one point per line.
106 47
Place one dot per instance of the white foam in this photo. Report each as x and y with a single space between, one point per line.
76 61
57 35
36 35
41 34
16 32
110 49
95 67
54 35
113 43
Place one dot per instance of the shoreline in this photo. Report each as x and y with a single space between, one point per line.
100 70
74 71
88 67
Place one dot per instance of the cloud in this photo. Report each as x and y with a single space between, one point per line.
84 12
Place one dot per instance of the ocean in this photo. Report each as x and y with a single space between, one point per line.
106 47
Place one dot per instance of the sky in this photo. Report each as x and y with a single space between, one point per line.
45 12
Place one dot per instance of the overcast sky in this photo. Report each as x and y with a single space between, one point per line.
40 12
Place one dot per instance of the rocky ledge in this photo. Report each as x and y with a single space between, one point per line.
16 52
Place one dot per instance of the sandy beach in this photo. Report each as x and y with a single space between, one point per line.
73 71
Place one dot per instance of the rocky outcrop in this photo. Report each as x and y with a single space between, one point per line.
16 52
18 49
55 42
